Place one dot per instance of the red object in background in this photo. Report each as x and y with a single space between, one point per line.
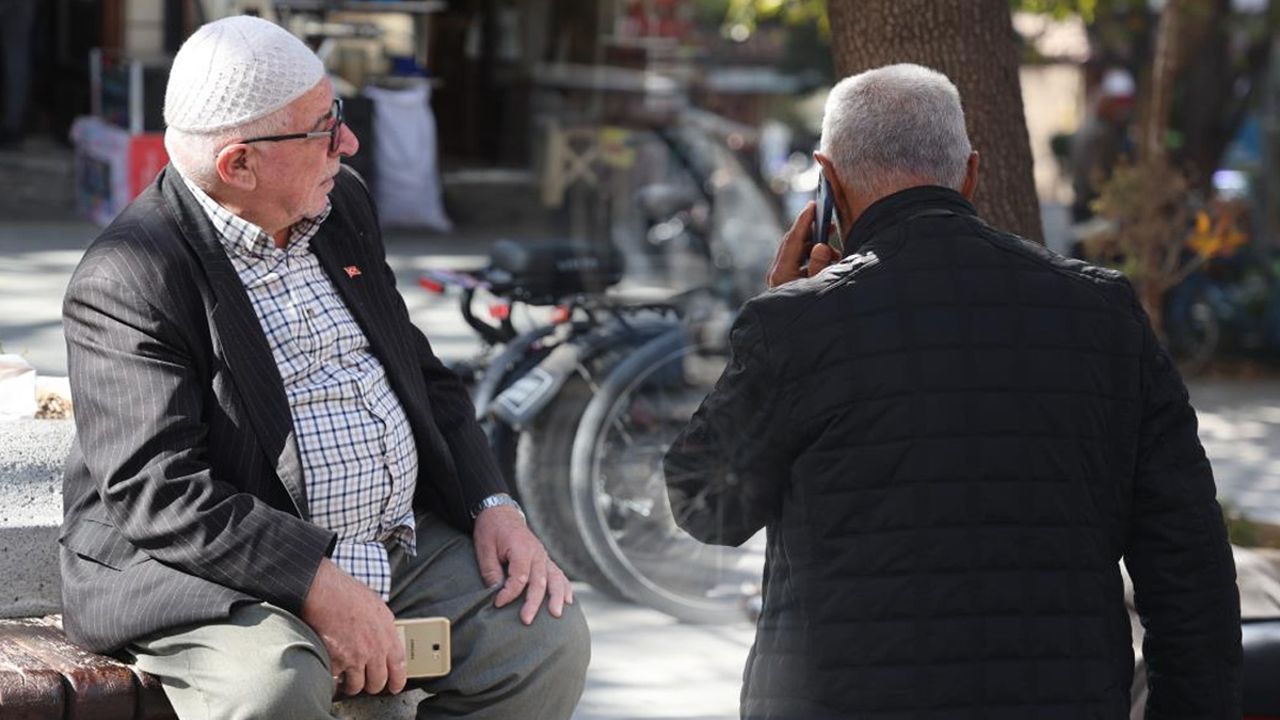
147 158
561 315
499 311
657 18
112 166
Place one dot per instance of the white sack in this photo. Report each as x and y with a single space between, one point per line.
407 186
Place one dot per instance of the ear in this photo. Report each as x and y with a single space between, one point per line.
970 184
839 192
237 165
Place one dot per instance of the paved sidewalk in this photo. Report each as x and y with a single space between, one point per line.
645 665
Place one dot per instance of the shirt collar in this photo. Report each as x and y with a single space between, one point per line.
239 236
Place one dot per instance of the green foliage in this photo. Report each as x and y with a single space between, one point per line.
1246 532
805 24
1059 9
1240 529
749 13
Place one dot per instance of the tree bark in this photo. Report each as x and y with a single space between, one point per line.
1164 66
974 44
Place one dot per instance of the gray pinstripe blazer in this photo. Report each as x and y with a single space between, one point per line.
184 494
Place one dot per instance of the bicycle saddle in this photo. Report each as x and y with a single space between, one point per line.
547 271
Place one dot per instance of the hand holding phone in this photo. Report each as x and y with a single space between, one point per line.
798 256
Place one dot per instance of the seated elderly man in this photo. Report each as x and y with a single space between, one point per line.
272 464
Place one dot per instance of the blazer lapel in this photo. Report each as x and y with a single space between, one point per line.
343 251
238 337
340 247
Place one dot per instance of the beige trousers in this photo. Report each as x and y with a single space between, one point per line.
264 662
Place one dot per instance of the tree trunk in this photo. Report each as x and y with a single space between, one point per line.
1217 83
973 43
1164 67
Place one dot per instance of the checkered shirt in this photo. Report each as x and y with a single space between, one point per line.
358 456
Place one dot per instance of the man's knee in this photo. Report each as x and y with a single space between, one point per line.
289 681
564 641
261 663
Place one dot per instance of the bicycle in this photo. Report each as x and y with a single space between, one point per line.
580 408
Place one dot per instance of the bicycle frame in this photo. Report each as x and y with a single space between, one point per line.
587 338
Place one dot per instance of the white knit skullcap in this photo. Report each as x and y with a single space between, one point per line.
235 70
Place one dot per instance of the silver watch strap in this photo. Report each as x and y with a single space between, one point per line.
496 500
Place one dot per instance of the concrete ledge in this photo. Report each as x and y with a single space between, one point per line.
32 453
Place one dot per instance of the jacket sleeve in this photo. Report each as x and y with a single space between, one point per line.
1179 557
726 471
138 414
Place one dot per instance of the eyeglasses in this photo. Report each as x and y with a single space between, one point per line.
334 133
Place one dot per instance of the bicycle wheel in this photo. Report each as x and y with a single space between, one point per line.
1193 332
619 491
542 456
542 480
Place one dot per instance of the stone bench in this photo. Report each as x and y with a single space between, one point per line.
42 675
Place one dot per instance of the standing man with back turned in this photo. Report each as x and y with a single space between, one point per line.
953 437
271 462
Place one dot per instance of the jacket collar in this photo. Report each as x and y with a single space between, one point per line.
901 206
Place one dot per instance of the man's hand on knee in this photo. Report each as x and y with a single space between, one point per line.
358 630
502 538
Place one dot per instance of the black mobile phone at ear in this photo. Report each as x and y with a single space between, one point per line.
826 207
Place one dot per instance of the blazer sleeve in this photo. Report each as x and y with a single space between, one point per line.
726 471
1179 557
139 404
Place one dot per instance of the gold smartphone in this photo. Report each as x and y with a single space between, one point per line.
426 646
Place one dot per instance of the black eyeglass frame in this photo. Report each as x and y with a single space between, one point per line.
334 133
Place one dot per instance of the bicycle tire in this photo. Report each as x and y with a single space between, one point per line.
542 479
1193 334
543 451
681 577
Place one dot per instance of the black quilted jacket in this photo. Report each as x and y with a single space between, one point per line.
953 438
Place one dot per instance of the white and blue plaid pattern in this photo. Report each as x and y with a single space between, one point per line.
358 456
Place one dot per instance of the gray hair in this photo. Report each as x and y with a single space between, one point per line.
887 127
195 154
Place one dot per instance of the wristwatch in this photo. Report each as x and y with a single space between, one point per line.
496 500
